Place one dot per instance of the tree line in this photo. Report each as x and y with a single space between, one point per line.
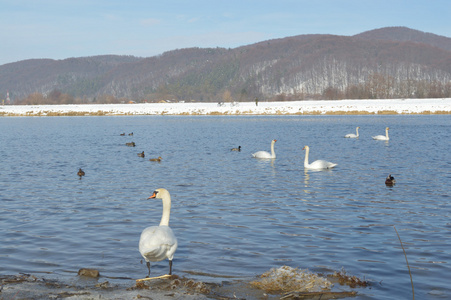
377 86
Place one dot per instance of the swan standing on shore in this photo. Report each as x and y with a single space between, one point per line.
159 242
264 154
382 137
317 164
352 135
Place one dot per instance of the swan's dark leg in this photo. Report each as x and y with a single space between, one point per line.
170 267
148 267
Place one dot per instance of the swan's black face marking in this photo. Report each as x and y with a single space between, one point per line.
154 195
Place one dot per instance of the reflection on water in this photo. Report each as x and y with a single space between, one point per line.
306 178
234 215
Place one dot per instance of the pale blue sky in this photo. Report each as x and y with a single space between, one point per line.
60 29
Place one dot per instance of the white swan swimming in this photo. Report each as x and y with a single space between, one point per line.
264 154
317 164
159 242
352 135
382 137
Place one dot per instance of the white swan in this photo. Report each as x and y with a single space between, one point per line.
352 135
264 154
159 242
382 137
317 164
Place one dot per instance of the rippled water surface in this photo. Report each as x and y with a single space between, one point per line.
233 215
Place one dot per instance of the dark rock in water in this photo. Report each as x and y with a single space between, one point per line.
88 272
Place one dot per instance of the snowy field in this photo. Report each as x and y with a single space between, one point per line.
385 106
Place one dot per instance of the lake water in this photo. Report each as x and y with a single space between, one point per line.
233 215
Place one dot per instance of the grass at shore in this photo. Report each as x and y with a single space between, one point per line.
213 113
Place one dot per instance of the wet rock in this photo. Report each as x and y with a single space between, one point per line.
103 285
88 272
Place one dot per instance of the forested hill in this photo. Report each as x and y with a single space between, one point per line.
390 62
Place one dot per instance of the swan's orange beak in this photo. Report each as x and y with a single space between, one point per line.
154 195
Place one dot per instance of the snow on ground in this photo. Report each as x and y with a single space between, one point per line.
385 106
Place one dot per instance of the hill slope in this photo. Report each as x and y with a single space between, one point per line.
381 63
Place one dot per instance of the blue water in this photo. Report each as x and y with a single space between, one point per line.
233 215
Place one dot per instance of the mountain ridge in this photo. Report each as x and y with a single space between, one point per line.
295 67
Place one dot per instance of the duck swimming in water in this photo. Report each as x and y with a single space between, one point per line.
390 180
81 173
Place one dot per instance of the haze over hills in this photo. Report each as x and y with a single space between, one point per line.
381 63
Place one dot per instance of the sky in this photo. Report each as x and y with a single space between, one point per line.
60 29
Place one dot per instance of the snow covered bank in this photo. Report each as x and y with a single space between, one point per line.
388 106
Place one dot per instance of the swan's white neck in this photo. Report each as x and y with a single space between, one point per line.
307 149
357 131
386 133
166 199
273 154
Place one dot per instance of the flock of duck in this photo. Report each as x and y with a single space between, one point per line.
82 173
158 243
141 154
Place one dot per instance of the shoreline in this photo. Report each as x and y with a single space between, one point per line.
325 107
27 286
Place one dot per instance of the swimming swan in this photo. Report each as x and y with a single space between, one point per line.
317 164
352 135
381 137
159 242
264 154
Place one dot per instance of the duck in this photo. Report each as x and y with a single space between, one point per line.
390 180
131 133
264 154
317 164
352 135
141 154
236 149
80 173
382 137
132 144
158 159
122 134
158 243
